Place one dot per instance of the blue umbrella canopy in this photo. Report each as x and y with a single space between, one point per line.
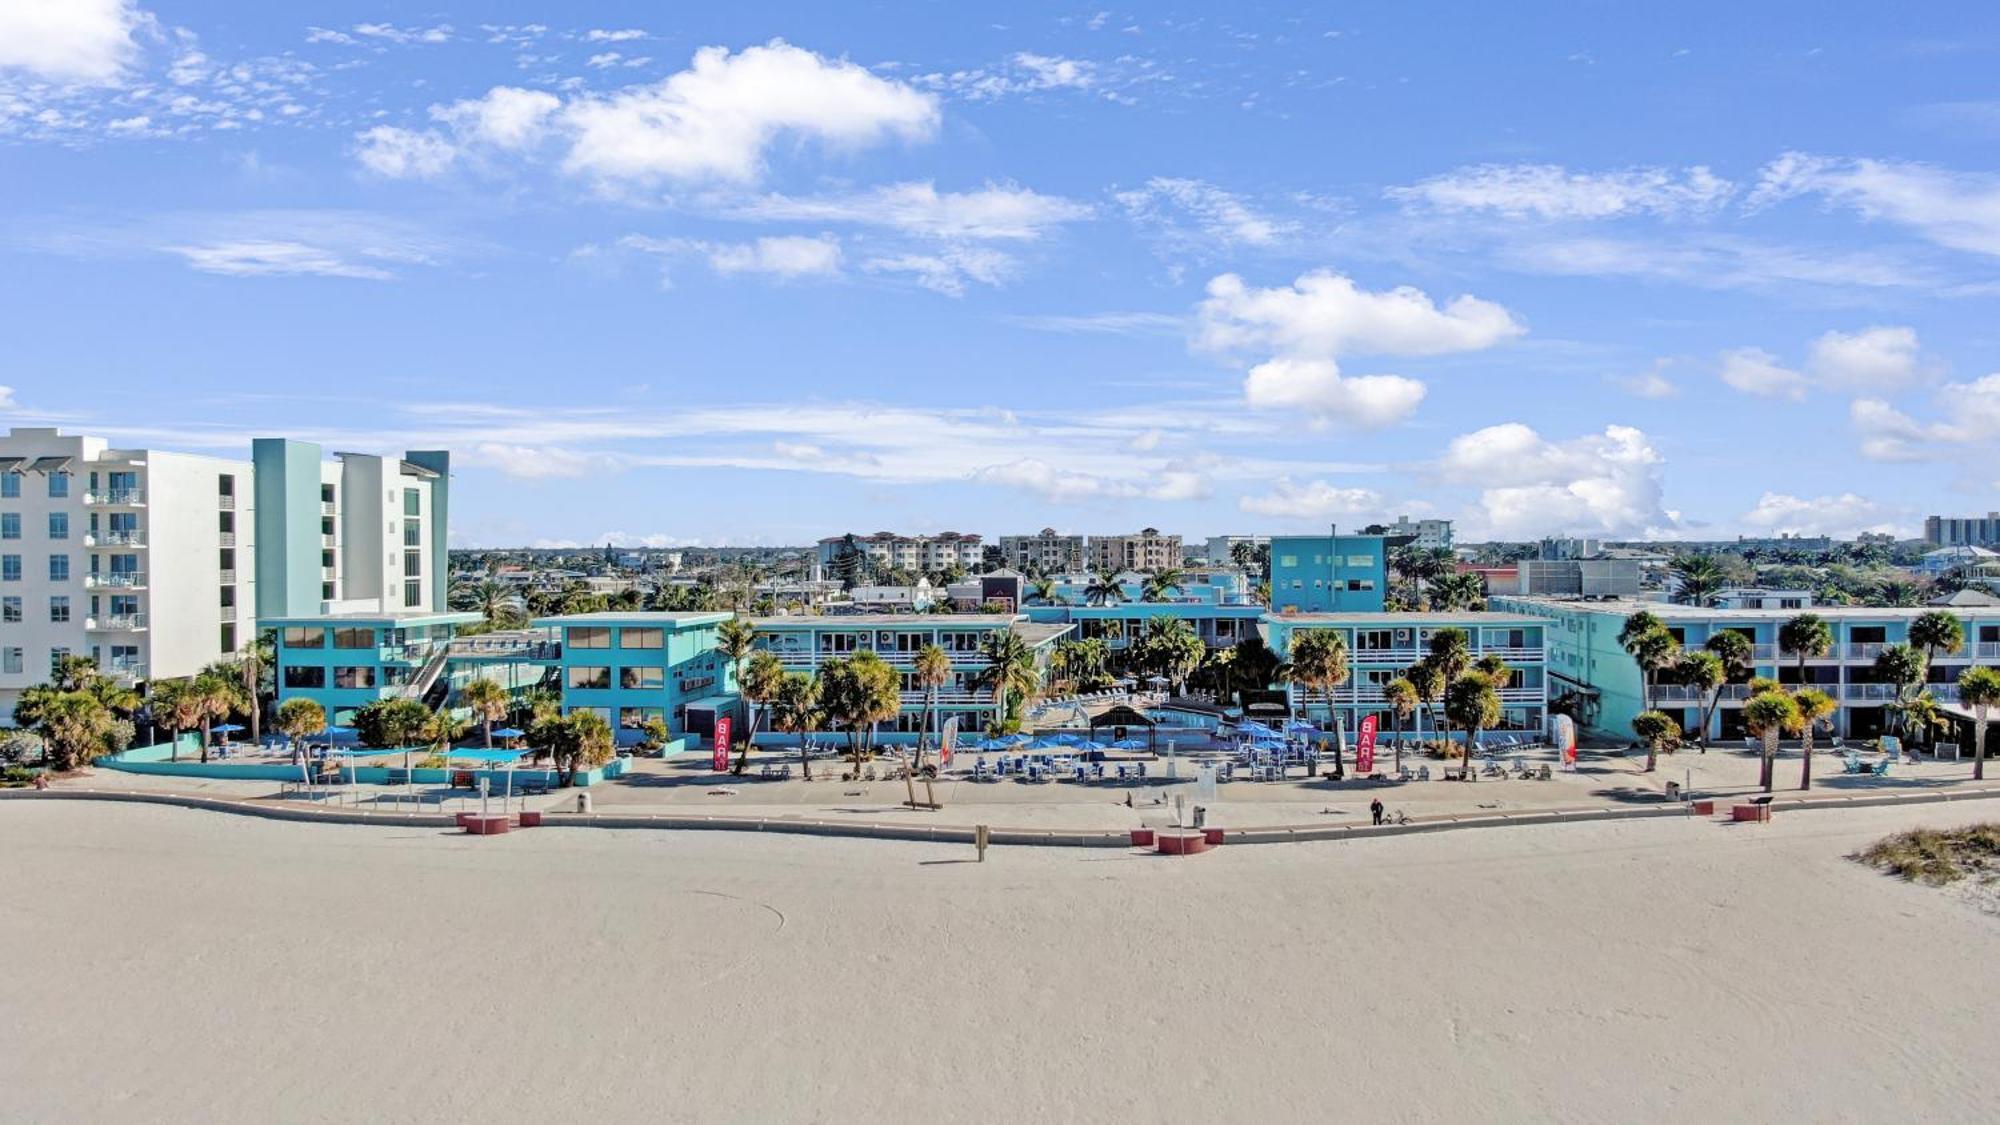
225 728
508 732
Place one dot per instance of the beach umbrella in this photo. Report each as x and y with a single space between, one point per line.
225 728
509 732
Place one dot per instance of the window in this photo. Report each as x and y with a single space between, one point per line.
632 718
1360 561
59 525
413 562
326 560
589 677
59 608
58 568
225 522
305 676
10 485
1288 560
227 597
58 485
413 593
354 676
589 636
326 591
412 502
642 638
228 637
10 523
353 638
326 525
10 568
326 494
56 656
10 610
225 485
413 535
10 659
303 636
640 678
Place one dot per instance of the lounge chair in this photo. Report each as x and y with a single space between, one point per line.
1881 768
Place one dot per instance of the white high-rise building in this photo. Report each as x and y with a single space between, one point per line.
138 558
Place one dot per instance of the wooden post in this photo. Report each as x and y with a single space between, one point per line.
980 836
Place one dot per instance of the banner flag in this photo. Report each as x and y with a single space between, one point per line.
1364 746
722 725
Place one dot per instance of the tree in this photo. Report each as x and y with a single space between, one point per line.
1705 672
175 708
757 685
300 718
73 724
1806 636
389 724
1815 707
1770 715
736 639
1472 705
1009 672
1103 589
1979 690
931 670
1934 632
1319 662
1451 651
577 741
1923 716
1737 653
215 696
1654 649
1170 647
1458 592
1697 579
1657 731
497 602
1429 684
489 702
1905 667
1401 697
1166 580
439 731
859 692
795 709
1043 590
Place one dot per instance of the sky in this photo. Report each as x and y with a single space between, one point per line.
759 273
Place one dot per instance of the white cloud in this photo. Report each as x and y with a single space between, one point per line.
1952 209
7 399
1069 486
624 35
389 33
949 269
782 257
1843 516
605 60
1326 314
525 462
1972 416
1652 384
994 212
1317 389
1549 191
1050 72
1606 483
80 41
1108 323
398 153
273 258
1755 371
1024 73
1317 500
1872 359
716 119
1190 213
506 117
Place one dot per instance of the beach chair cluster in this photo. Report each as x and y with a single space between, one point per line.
1854 763
1041 768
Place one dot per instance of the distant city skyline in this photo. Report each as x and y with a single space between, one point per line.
762 273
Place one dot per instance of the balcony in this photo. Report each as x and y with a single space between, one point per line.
117 580
226 503
1868 651
326 507
124 669
116 622
225 539
115 539
1872 693
117 497
228 612
1986 650
1687 693
1763 654
227 578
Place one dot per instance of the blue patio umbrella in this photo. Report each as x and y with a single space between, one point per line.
509 732
225 728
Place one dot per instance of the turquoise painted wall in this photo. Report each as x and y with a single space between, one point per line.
288 526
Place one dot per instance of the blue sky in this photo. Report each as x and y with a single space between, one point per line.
757 273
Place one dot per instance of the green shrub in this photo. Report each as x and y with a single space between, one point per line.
1935 857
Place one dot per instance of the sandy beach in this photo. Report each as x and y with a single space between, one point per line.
176 965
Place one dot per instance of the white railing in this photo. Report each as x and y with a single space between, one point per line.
1986 650
225 502
1865 651
225 539
228 613
1371 694
1873 691
120 580
228 578
947 695
326 507
1688 693
127 496
1763 654
125 669
116 622
115 539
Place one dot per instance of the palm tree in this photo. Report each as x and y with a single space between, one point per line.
1471 704
1401 696
488 701
300 718
1979 689
73 724
734 640
1922 715
1657 731
1103 589
1807 636
1170 647
1770 715
1815 707
758 684
1934 632
213 697
1429 683
1905 667
1043 590
1458 591
440 731
1703 671
1009 672
795 709
1697 579
1319 663
1161 582
1451 651
931 670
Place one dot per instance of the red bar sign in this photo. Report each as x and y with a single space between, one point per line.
722 725
1364 746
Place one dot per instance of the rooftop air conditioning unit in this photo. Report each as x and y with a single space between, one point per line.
1403 637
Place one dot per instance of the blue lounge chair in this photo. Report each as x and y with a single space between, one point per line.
1882 767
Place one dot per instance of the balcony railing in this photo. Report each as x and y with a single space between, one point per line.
1688 693
227 578
225 502
1404 657
117 580
326 507
1371 694
127 497
116 622
1986 650
228 612
225 539
125 669
1866 651
115 539
1763 654
1871 692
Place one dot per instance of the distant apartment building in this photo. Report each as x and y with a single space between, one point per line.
1059 554
1147 550
1426 534
1973 531
137 558
1569 548
1329 573
359 533
909 552
1758 597
1221 549
1577 578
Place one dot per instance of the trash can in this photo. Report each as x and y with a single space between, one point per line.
583 802
1200 815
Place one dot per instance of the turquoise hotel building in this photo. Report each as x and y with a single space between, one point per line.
1382 647
1331 573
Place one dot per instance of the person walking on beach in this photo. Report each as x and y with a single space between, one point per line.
1375 809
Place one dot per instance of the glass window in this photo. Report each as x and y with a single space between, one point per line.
354 676
305 676
1361 560
631 718
589 636
58 568
413 562
58 485
304 636
413 535
642 638
59 525
59 607
1288 560
641 678
10 659
589 677
10 485
412 502
413 593
352 637
10 522
10 609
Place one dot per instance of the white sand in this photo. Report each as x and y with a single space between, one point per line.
173 965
